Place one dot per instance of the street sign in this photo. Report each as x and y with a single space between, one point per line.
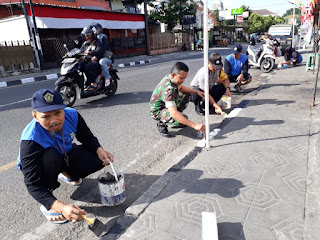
240 19
188 19
236 11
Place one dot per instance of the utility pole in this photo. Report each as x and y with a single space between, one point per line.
32 38
39 49
146 27
294 10
206 75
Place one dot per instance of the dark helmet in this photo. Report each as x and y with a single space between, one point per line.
88 30
97 28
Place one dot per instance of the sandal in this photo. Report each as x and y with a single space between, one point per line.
91 88
70 181
49 215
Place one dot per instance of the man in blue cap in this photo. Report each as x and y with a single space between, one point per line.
47 153
236 67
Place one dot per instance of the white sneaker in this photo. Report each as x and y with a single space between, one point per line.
107 83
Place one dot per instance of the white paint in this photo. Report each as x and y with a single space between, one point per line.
27 80
209 226
132 63
66 23
8 104
3 84
52 76
142 62
20 31
121 65
234 113
215 132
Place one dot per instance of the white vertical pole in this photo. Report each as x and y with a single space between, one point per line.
294 10
205 62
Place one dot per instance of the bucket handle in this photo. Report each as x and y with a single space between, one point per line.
114 171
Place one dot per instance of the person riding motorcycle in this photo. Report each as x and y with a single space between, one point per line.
105 61
93 52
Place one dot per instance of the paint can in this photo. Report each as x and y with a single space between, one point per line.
112 187
226 102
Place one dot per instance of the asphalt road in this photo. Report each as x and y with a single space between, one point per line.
123 126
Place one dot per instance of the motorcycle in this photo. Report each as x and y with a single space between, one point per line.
262 56
72 80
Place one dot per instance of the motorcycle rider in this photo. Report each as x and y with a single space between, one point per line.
93 53
104 61
236 67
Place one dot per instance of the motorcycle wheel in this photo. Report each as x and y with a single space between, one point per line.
68 93
112 88
267 65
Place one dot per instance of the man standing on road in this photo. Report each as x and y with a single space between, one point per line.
236 67
170 98
218 84
47 152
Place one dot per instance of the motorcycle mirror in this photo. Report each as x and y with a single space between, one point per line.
65 46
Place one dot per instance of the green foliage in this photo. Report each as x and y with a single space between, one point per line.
246 9
259 24
289 12
170 12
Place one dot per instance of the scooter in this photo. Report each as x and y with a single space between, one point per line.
262 56
72 80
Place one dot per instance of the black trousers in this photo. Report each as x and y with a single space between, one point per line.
81 164
216 92
92 70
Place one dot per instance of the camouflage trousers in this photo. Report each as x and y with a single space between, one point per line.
164 116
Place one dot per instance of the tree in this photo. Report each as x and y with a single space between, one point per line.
259 24
171 11
289 12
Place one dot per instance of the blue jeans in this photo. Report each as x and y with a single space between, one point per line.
104 62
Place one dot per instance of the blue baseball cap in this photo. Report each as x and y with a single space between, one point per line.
237 49
46 100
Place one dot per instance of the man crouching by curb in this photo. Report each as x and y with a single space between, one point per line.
170 98
47 153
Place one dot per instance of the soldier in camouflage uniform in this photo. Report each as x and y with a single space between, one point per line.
170 98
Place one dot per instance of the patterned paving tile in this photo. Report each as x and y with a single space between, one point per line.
269 159
143 228
291 229
297 182
258 196
190 208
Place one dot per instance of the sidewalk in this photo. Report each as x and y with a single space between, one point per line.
260 177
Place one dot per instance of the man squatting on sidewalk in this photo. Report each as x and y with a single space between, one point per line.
170 98
47 152
218 83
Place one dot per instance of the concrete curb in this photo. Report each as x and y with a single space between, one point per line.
29 80
133 63
57 75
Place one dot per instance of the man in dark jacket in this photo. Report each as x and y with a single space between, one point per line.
47 153
236 67
93 51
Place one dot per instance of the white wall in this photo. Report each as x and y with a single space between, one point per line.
116 5
14 28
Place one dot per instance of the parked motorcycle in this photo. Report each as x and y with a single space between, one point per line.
262 56
72 80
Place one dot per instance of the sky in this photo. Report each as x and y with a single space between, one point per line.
277 6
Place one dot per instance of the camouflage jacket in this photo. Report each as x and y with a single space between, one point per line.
165 95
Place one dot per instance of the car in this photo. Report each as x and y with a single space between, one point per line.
283 33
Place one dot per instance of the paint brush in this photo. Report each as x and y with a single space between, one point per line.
95 225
